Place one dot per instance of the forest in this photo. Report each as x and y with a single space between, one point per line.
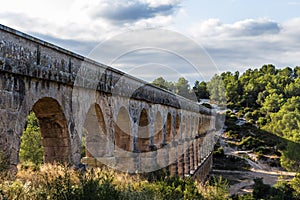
266 97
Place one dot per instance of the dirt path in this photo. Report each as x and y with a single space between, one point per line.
243 180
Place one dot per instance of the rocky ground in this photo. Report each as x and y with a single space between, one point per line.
240 168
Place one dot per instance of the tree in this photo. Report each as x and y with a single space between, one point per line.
232 86
217 91
286 122
31 146
252 83
297 72
286 72
290 158
268 69
200 90
295 183
293 89
272 103
182 87
261 190
162 83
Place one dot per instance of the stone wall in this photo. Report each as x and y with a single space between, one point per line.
130 124
27 56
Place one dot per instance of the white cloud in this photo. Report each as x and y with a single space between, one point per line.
78 25
248 27
157 3
130 11
86 20
251 42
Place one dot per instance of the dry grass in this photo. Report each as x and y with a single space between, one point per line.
56 181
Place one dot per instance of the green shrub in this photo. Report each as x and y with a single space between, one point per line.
263 150
232 134
3 162
282 190
250 142
261 190
31 148
219 152
216 189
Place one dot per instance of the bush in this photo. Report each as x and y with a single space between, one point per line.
216 189
3 162
248 116
263 150
218 153
232 134
31 148
250 142
60 182
282 190
261 190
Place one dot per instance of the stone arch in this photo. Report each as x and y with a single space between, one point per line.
183 127
168 126
197 124
143 132
193 126
188 127
122 133
95 130
177 126
158 137
54 130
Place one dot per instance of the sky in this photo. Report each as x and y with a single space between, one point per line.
194 39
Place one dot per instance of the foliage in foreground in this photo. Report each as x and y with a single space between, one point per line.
31 148
61 182
281 190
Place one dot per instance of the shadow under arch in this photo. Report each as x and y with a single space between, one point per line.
95 132
177 127
143 132
158 136
54 130
122 131
168 125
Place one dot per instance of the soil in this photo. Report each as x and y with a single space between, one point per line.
240 168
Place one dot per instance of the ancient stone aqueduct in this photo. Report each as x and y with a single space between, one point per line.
129 124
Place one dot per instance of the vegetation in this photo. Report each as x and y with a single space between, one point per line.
281 190
31 149
3 162
268 98
61 182
182 87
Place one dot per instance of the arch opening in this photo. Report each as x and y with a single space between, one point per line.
158 130
192 126
188 127
143 132
53 127
95 134
31 148
122 133
183 127
169 128
177 127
